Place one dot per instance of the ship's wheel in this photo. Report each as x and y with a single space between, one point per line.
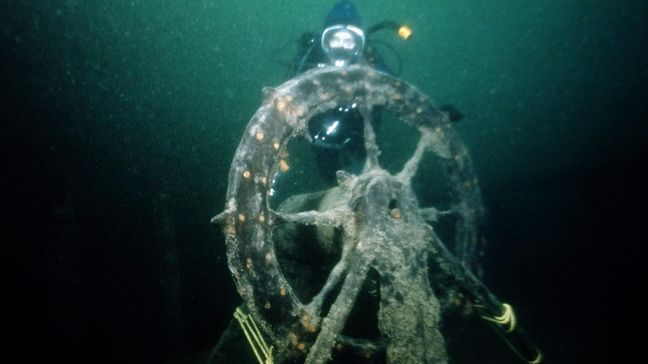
382 226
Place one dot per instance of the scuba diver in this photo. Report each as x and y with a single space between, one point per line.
337 134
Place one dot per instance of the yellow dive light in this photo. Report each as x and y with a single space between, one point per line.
404 31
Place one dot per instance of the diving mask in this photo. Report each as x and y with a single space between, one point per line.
343 44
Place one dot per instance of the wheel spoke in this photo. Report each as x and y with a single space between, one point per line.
464 278
333 217
334 322
432 214
337 273
371 146
410 168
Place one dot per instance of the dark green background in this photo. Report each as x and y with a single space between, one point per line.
120 119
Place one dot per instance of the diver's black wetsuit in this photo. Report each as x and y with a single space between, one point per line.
337 134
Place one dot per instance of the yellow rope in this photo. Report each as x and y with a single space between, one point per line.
254 337
505 319
538 359
508 321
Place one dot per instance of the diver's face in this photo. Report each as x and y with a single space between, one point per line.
342 39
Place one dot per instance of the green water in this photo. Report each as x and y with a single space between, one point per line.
121 119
